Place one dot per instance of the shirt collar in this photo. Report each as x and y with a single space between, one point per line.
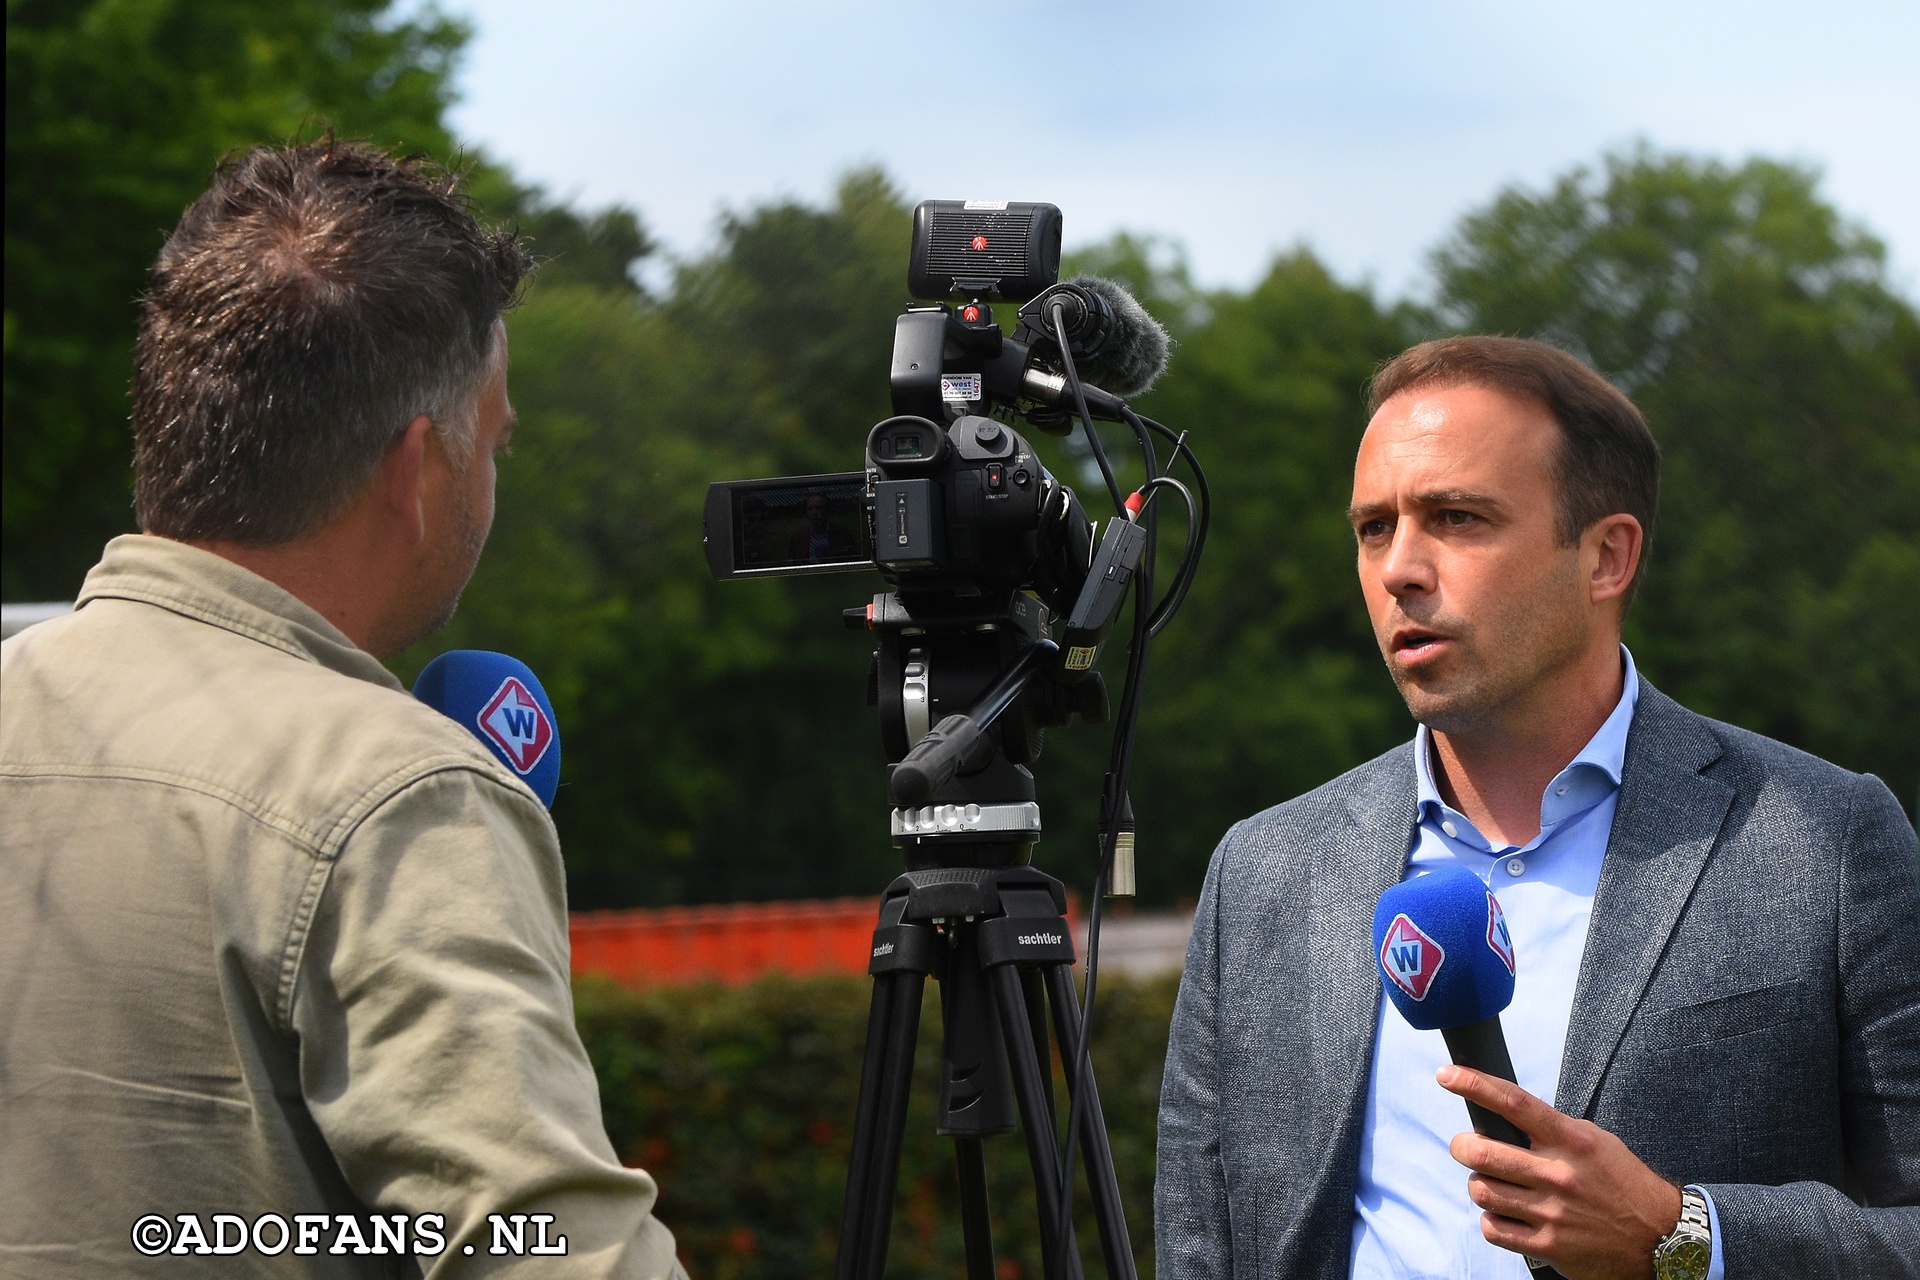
1590 777
215 590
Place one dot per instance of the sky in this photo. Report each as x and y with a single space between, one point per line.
1235 131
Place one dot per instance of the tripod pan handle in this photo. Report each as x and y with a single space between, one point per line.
949 745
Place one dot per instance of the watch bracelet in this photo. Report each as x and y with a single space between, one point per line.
1694 1226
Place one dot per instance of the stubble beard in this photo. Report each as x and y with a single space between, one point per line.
446 578
1479 684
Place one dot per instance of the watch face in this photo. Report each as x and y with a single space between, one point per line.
1684 1259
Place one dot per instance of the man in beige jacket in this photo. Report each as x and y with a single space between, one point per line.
283 952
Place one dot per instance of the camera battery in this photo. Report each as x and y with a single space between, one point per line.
904 529
1104 591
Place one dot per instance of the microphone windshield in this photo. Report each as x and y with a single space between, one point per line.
1134 353
498 700
1445 956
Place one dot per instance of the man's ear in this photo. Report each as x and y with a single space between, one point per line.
1612 546
401 480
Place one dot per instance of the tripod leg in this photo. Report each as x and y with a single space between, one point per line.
1094 1147
893 1030
975 1223
853 1208
1035 996
1032 1089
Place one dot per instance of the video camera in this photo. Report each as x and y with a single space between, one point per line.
988 554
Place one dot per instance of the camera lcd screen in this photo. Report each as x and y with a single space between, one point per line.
813 524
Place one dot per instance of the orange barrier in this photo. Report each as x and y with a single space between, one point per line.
732 943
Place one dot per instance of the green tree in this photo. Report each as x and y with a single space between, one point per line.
599 249
1780 371
116 113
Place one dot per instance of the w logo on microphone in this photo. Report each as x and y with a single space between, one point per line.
1409 958
1497 936
513 721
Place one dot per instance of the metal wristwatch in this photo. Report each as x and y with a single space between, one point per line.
1687 1251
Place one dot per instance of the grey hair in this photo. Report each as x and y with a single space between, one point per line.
451 401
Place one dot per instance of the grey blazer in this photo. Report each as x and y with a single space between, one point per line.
1747 1015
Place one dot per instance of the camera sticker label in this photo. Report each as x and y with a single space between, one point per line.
985 204
1080 657
959 388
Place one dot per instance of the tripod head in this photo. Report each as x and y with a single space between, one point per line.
965 697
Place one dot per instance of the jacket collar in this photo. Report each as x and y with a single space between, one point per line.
198 584
1350 858
1666 822
1349 869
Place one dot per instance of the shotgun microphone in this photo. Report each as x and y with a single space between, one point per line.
1116 343
1119 350
1446 959
499 700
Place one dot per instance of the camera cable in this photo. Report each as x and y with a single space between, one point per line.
1080 402
1120 762
1149 618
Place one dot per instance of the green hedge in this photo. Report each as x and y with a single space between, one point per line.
740 1100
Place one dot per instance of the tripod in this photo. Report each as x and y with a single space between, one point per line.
997 939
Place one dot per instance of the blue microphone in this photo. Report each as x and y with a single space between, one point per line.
1446 960
500 701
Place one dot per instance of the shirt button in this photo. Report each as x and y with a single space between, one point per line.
1449 828
1516 866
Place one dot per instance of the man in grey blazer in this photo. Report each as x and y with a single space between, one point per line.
1718 982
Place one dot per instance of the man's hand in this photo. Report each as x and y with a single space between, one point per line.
1578 1199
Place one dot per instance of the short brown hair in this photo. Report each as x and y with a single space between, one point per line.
1607 462
308 306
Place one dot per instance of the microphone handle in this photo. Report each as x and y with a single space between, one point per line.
1483 1046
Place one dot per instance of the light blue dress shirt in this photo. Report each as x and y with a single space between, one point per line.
1412 1219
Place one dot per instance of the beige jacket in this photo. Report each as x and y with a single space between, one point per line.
276 939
